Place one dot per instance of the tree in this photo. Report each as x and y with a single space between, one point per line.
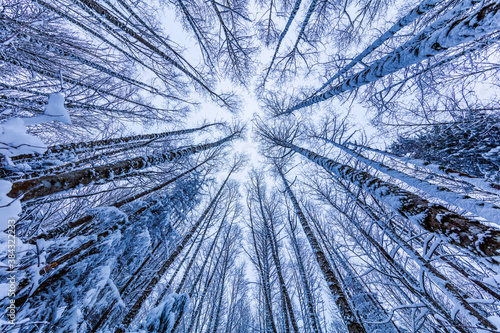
402 202
469 146
351 320
427 44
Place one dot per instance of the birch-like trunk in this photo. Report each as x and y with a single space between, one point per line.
472 236
442 170
305 282
458 298
43 186
487 210
423 8
88 146
461 30
271 236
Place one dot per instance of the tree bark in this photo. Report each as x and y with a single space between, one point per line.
472 236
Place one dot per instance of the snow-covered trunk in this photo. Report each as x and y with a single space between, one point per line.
348 316
365 304
269 317
445 171
87 146
74 165
428 44
271 236
487 210
166 287
98 12
458 298
211 275
195 253
43 186
475 238
305 282
58 231
423 8
413 285
479 45
310 11
222 282
132 279
134 310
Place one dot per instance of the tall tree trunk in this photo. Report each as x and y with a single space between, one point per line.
85 146
132 313
271 235
463 177
422 8
269 323
479 240
282 36
348 316
481 208
305 281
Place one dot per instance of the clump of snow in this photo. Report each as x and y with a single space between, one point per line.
162 318
13 137
493 280
53 111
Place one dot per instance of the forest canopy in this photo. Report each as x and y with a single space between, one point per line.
249 166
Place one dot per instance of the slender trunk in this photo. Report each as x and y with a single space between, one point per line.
271 235
265 281
196 313
282 36
132 313
485 209
458 298
305 282
466 178
191 262
366 305
64 53
423 8
77 147
99 36
412 284
350 319
223 288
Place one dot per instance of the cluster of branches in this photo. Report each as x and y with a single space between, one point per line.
388 239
